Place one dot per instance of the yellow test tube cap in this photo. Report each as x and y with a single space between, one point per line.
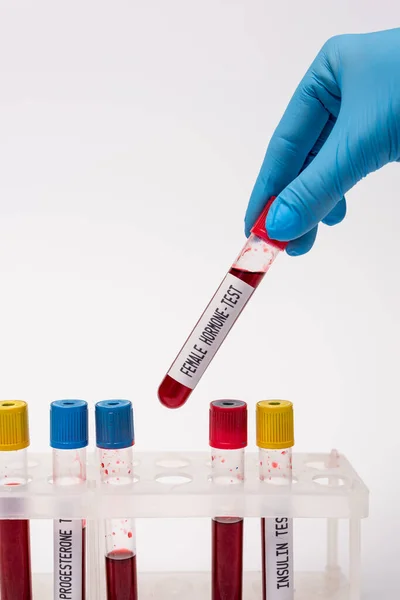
274 424
14 426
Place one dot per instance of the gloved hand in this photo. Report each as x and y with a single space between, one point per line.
342 123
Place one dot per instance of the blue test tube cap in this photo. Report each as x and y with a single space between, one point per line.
68 424
114 424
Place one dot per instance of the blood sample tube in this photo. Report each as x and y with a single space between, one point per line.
221 313
228 439
15 559
275 439
115 439
69 440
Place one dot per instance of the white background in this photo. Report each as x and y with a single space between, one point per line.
130 137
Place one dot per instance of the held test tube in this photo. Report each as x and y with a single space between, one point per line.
15 559
115 439
221 313
69 440
228 439
275 439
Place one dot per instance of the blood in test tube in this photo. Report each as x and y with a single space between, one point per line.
15 556
228 439
275 439
223 310
121 575
15 567
69 440
227 553
115 440
83 562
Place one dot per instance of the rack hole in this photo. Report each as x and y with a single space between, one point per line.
172 463
115 481
22 465
319 465
275 480
332 481
66 481
173 479
225 479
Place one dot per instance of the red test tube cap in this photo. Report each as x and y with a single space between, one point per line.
259 227
228 424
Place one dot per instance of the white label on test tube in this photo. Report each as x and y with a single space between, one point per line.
276 469
68 559
210 331
279 558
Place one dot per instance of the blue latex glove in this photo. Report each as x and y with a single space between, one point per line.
342 123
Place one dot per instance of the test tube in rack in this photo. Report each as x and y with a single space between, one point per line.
115 440
228 439
69 440
275 439
15 555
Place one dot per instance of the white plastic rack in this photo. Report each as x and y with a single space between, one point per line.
178 485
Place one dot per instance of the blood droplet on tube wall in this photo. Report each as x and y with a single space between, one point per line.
223 310
228 439
114 440
275 439
15 555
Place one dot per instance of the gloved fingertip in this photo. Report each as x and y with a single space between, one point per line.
303 244
337 214
329 221
282 222
294 251
297 250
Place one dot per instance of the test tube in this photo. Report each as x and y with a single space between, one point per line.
223 310
115 439
228 439
275 439
15 554
69 440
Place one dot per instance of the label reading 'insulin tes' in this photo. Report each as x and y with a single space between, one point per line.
68 559
279 558
211 330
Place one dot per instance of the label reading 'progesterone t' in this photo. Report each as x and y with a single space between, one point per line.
210 331
68 559
279 558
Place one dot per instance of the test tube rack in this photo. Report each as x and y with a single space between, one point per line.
178 485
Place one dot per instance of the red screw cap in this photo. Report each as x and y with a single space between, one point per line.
228 424
259 227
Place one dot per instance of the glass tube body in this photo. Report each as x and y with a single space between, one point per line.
116 468
15 559
216 321
69 468
275 468
227 467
